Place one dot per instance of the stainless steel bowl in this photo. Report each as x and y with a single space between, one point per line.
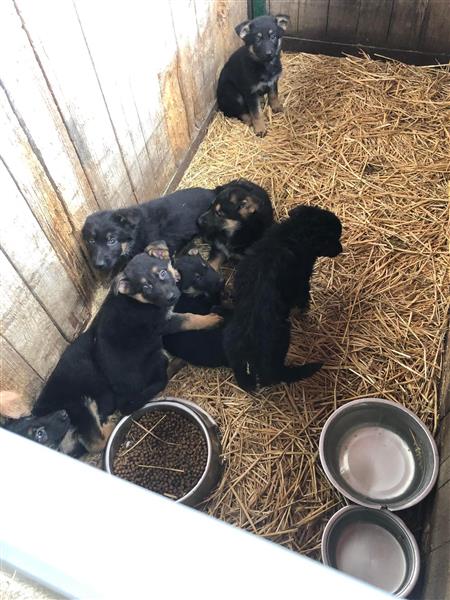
213 468
379 454
372 545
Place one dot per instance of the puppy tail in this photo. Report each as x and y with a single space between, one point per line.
296 373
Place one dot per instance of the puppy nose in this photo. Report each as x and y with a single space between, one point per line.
63 416
171 297
268 53
100 264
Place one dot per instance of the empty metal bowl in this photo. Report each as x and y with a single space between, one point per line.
213 468
372 545
379 454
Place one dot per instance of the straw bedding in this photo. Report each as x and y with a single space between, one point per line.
368 140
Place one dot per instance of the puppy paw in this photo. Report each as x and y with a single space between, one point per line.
212 320
278 109
260 132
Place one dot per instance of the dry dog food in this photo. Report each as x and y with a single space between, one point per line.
163 451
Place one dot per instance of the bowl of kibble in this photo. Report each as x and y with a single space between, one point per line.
169 446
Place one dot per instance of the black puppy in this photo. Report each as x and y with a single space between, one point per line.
48 431
113 237
253 71
118 363
239 215
269 281
200 287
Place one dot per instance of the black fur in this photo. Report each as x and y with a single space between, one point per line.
239 215
113 237
201 287
118 363
269 281
48 431
253 71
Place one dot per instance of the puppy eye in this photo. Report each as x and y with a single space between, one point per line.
220 213
41 435
111 241
163 274
273 37
259 36
197 276
147 286
92 241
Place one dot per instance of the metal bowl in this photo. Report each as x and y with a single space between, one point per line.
213 468
372 545
379 454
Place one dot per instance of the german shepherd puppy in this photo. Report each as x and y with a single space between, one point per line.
113 237
270 280
253 71
201 288
118 363
48 431
239 215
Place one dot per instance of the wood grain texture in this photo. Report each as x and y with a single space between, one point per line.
112 62
435 36
342 20
32 255
25 324
16 374
38 114
406 24
373 22
34 185
65 58
312 18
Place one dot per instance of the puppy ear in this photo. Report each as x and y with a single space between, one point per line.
296 210
128 217
158 249
282 21
193 252
243 29
220 188
121 284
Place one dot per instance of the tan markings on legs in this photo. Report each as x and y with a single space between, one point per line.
259 124
217 262
194 322
274 102
124 246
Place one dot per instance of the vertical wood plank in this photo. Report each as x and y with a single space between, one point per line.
34 106
25 324
342 20
373 23
287 7
406 24
16 374
312 19
34 185
435 35
112 63
63 54
37 262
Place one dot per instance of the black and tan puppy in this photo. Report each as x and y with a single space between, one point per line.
253 71
201 288
118 363
48 431
270 280
113 237
239 215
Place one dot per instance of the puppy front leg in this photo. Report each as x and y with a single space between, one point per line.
274 101
216 258
190 322
259 124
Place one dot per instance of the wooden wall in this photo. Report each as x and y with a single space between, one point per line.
420 25
99 104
